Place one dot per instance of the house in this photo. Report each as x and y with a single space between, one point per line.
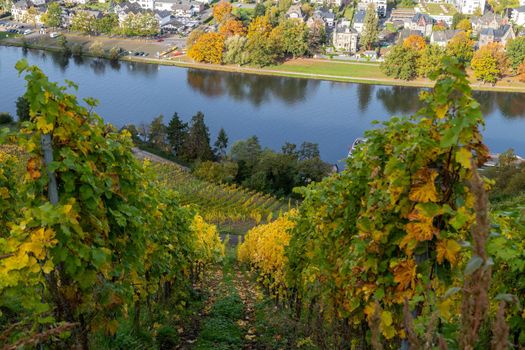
163 17
380 6
145 4
78 2
327 16
344 38
488 20
331 3
295 12
442 37
123 10
500 35
518 15
405 33
469 7
421 22
359 21
172 26
19 10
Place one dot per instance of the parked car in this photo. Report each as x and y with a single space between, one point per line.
54 34
28 31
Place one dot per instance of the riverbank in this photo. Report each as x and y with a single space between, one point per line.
307 68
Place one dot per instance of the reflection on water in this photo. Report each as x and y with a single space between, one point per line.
277 109
254 88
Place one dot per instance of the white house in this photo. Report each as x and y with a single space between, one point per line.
145 4
469 7
295 12
380 5
359 21
518 15
442 37
344 38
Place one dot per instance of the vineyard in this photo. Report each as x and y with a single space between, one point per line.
229 206
401 250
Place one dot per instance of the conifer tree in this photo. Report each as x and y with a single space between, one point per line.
177 132
221 144
370 30
197 144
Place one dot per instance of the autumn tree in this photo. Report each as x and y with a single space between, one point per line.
429 60
232 27
400 63
415 42
370 29
106 24
222 11
461 47
464 24
490 63
316 35
516 52
292 37
521 72
208 48
83 22
53 15
259 46
193 37
439 27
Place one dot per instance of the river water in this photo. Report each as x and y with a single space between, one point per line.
276 109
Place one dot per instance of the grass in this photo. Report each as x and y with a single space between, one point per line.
342 69
349 13
4 35
221 330
436 9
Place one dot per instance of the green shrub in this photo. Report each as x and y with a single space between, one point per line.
6 118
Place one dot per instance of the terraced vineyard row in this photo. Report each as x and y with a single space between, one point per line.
221 204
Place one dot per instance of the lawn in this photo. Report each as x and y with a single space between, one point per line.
437 9
4 35
349 13
351 70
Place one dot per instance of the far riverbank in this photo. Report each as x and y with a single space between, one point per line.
306 68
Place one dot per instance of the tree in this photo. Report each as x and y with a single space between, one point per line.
370 30
197 143
516 52
316 35
415 42
290 149
96 49
261 50
439 27
177 132
400 63
521 72
6 118
221 144
106 24
22 109
53 15
429 60
222 11
259 10
158 134
232 27
456 18
464 24
490 63
246 153
208 48
461 47
309 150
30 16
83 22
292 37
193 37
140 24
235 50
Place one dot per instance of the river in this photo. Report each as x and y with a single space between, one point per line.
276 109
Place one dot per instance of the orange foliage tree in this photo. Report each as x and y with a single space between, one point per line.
232 27
415 42
208 48
521 72
222 11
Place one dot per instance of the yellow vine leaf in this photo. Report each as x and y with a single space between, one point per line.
444 309
424 189
405 274
463 157
447 249
386 325
421 227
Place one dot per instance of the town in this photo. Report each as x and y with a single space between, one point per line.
408 38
